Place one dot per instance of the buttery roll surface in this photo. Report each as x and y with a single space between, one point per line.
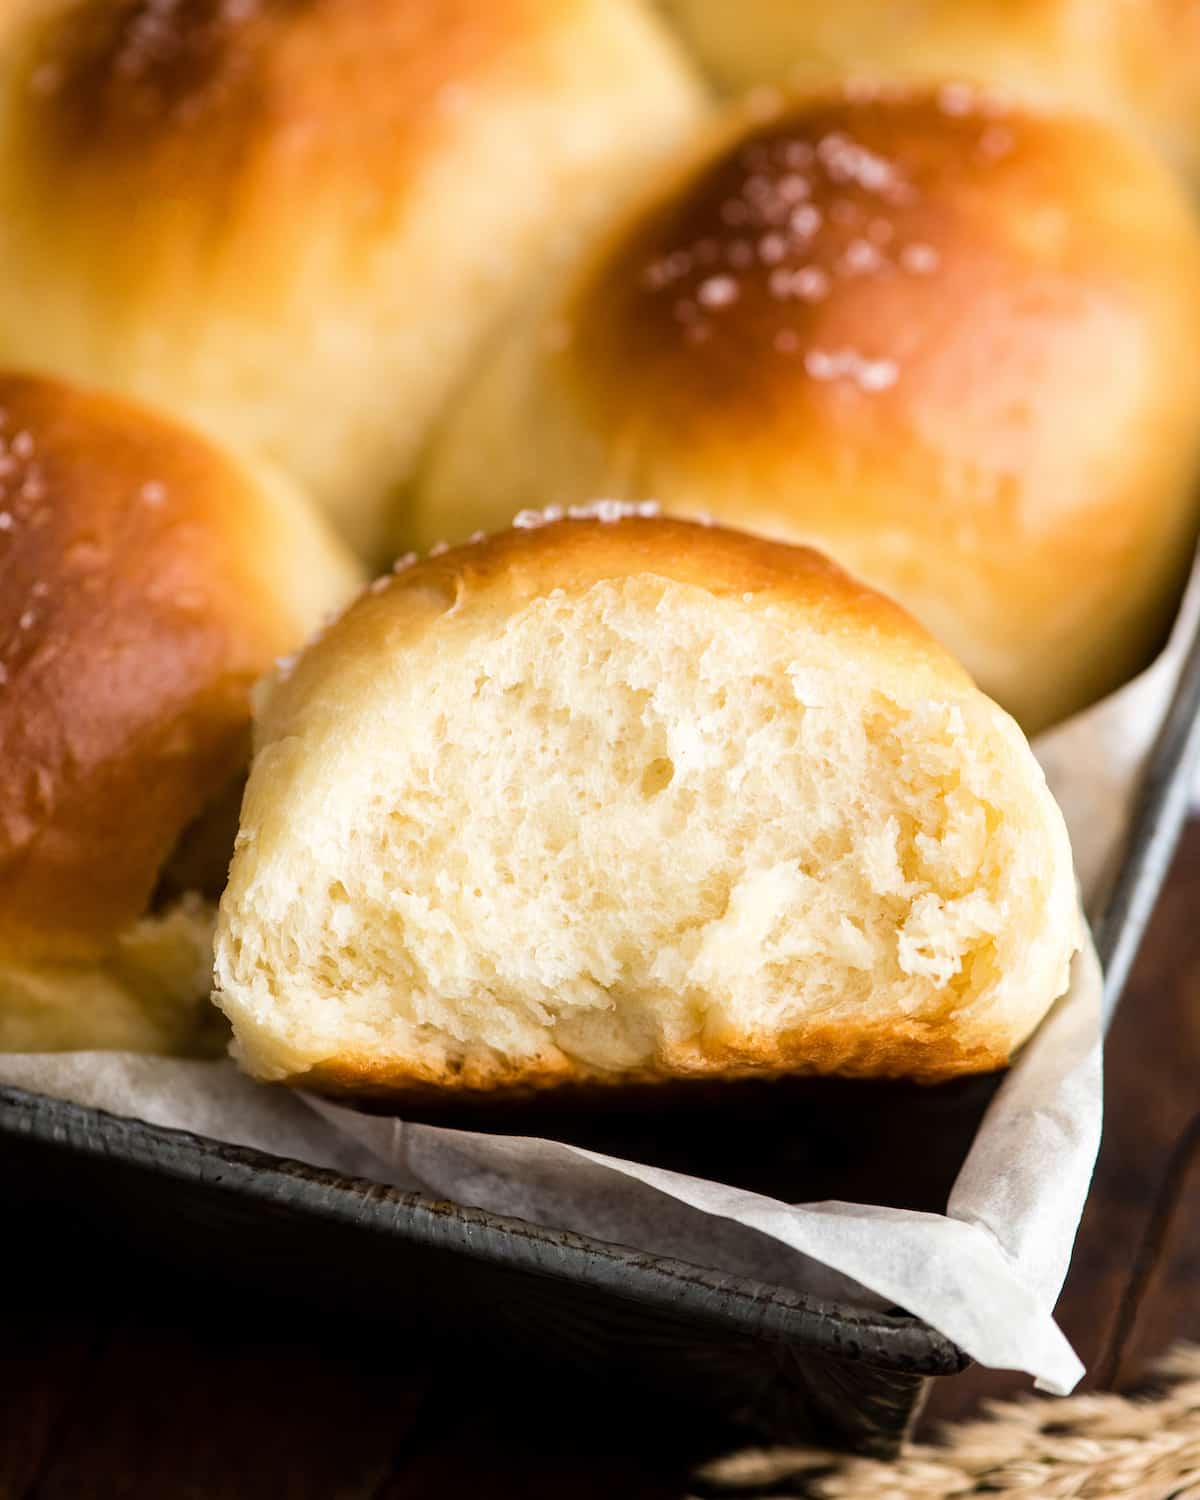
146 581
627 800
290 223
951 342
1135 61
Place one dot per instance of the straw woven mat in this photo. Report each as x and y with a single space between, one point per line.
1144 1447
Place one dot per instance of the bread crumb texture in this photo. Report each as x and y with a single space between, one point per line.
634 828
148 993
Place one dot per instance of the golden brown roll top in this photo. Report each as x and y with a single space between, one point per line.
951 341
290 223
146 581
1135 61
616 800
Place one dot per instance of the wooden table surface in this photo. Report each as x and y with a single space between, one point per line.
122 1379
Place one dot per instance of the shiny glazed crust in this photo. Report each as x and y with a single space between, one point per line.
146 581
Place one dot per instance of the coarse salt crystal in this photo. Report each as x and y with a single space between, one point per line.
921 260
805 220
861 258
527 520
593 510
996 141
848 364
779 283
718 291
877 374
614 510
793 188
810 283
819 365
956 99
845 160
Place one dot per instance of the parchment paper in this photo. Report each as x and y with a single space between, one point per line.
987 1273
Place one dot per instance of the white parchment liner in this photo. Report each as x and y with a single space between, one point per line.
987 1273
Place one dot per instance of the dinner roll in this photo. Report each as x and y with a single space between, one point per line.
291 223
1137 61
618 800
952 343
146 581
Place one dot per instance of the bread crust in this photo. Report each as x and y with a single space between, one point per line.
146 581
925 1052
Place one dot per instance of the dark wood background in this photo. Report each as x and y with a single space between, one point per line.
122 1379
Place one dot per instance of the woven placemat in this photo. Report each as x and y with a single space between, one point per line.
1140 1447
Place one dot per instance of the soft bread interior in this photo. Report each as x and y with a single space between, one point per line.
148 993
640 828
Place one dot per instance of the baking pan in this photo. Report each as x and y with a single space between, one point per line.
776 1364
